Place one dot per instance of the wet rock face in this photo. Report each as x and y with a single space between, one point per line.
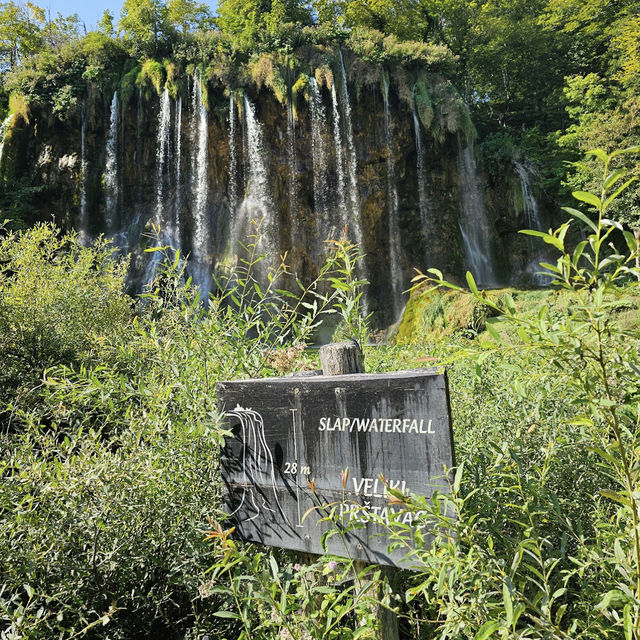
298 219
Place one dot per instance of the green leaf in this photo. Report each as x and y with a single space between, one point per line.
589 198
457 481
612 178
487 629
601 154
578 214
472 283
618 191
620 152
616 496
227 614
627 622
632 243
508 603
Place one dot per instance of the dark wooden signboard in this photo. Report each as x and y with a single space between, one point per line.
292 435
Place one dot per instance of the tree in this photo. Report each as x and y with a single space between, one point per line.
144 25
249 20
189 15
106 26
20 32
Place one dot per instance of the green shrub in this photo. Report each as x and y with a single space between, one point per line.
56 299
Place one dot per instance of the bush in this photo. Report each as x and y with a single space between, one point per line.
57 301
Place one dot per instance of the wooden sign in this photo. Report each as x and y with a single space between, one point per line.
296 439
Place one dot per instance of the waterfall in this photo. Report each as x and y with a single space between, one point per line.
257 205
291 160
473 222
177 220
4 128
352 165
533 220
530 204
200 186
111 166
233 169
163 158
352 168
421 174
319 158
392 208
83 223
343 214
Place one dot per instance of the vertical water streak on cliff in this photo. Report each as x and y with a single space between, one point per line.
319 159
111 166
200 186
291 160
257 205
352 168
473 221
163 159
533 220
395 266
343 214
83 222
177 181
529 202
233 169
421 174
4 128
352 164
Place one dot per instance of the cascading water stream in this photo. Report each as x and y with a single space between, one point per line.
83 222
177 181
352 164
291 161
421 173
352 184
4 128
529 202
533 220
163 159
257 206
343 213
319 159
392 208
111 185
200 186
233 169
473 221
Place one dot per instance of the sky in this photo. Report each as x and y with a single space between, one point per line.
89 11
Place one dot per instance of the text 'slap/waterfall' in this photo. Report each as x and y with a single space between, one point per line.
295 438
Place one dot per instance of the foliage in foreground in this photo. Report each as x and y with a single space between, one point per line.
109 467
545 498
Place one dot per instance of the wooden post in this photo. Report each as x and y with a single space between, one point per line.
339 358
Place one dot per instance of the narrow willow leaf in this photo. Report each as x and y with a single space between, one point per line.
487 630
612 178
472 283
620 152
227 614
578 214
632 243
615 495
589 198
618 191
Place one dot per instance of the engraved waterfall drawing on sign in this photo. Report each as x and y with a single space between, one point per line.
257 463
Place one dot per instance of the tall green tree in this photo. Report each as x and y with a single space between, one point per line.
145 26
20 32
249 20
189 15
